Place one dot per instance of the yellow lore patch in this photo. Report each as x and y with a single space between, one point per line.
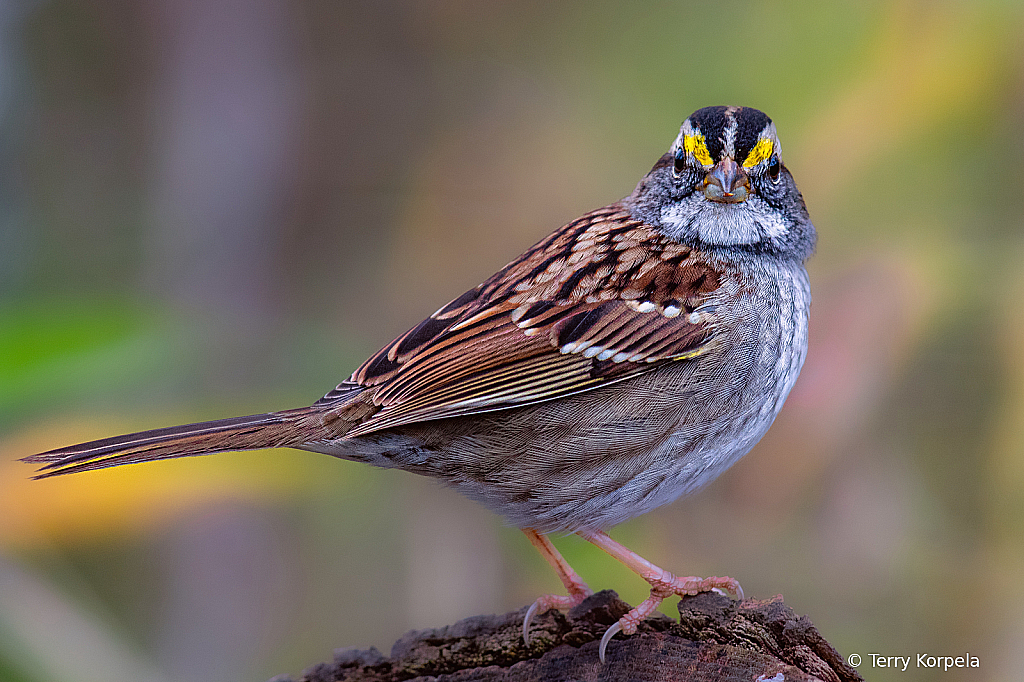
694 144
761 151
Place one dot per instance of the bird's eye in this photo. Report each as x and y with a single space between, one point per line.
774 168
680 161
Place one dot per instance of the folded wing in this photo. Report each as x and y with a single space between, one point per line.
601 300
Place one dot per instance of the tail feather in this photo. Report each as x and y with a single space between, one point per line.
274 429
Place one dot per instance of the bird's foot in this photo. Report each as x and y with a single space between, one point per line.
664 585
554 601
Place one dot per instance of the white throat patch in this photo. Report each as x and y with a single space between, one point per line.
723 224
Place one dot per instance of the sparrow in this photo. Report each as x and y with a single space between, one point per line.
625 360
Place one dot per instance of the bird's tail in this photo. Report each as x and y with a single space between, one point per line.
289 428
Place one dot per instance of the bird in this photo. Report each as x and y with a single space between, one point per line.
625 360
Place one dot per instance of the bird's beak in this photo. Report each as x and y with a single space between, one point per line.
726 183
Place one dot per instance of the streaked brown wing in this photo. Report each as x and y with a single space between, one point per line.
602 299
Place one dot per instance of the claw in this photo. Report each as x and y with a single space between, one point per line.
530 613
738 594
608 634
548 601
731 594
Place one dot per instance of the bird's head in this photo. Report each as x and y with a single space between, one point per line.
722 184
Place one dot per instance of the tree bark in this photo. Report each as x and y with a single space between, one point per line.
714 639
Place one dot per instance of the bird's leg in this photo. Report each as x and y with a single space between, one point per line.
574 585
663 584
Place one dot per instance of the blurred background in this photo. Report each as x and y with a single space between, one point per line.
220 208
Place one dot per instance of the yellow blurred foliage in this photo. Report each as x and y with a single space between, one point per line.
129 499
924 67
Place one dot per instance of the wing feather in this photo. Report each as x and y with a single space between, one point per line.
603 299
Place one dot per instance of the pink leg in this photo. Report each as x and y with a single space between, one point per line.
574 585
663 584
